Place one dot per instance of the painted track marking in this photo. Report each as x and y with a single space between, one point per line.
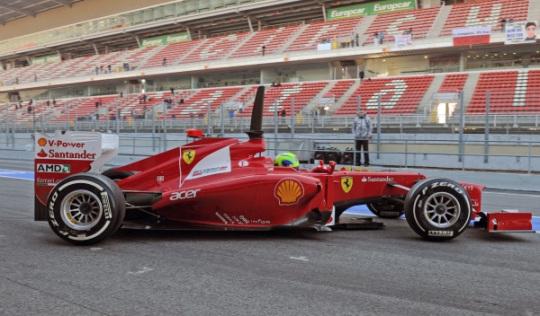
17 174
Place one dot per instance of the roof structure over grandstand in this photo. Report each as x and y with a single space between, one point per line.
244 17
16 9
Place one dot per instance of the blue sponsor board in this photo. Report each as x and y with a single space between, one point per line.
17 174
536 224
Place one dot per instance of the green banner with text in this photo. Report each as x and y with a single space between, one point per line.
372 8
165 39
53 58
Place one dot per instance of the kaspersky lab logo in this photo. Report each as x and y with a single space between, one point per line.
53 168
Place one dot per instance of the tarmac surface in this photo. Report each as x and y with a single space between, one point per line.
383 272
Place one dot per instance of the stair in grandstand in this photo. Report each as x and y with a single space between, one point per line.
326 93
196 45
294 36
214 48
427 99
363 26
245 99
272 39
144 57
246 39
82 66
468 89
244 96
440 20
521 89
348 87
317 32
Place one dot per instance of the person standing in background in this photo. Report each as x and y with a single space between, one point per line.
362 131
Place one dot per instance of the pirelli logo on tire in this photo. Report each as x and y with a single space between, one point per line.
440 233
106 205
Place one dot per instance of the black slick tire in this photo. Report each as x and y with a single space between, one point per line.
85 208
438 209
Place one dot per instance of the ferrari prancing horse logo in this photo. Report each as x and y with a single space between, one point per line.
188 156
346 184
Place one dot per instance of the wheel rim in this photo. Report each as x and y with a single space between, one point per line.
81 210
442 210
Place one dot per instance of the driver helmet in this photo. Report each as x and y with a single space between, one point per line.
287 159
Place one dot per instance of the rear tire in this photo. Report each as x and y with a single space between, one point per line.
385 208
86 208
438 209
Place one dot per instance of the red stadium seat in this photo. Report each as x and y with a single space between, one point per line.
489 12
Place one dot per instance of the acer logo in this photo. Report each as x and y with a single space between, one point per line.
184 195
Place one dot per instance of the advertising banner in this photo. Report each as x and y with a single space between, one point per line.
53 58
402 40
324 47
165 39
59 155
521 32
372 8
472 35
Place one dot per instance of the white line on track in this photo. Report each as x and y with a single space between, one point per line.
301 258
142 271
15 178
510 193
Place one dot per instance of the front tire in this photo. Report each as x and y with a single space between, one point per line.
438 209
86 208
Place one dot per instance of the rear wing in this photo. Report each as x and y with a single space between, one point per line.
62 154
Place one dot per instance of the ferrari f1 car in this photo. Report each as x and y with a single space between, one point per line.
227 184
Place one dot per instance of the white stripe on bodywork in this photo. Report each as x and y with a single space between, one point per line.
215 163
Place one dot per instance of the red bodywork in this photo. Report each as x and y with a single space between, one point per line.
248 192
238 188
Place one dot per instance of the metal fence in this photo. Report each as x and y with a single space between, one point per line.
486 113
505 109
508 153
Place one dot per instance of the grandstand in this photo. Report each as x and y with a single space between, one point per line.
301 51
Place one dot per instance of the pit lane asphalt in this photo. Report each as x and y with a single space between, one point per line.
390 271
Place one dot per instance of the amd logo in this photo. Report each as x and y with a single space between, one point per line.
53 168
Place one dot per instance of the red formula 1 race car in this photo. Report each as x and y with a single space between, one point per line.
226 184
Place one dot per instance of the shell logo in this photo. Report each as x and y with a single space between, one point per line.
42 142
288 192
